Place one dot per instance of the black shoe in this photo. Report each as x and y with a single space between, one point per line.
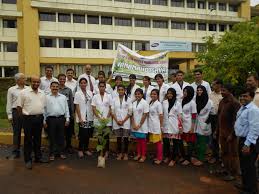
239 186
41 160
229 178
28 165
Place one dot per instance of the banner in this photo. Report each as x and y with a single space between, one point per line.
129 62
176 46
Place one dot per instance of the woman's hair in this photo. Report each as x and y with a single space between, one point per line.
157 93
173 100
122 86
140 91
83 79
202 100
132 76
190 95
159 75
117 77
147 78
102 82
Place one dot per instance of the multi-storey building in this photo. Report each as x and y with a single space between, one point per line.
71 33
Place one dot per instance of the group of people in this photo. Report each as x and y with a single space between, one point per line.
181 119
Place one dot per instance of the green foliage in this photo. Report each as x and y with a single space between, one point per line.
234 55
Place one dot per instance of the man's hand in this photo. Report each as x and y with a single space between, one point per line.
45 125
246 149
66 123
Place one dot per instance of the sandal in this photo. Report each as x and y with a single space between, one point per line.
198 163
51 158
185 163
166 160
142 159
157 162
171 163
125 158
80 154
136 158
88 153
119 157
62 156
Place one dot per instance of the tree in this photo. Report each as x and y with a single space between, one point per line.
234 55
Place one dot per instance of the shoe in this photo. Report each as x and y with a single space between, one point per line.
125 157
28 165
228 178
166 160
52 158
171 163
80 154
13 156
41 160
106 155
136 158
63 156
185 163
239 185
142 159
197 163
88 153
119 157
157 162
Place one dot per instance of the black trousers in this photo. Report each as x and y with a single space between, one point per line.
84 136
177 150
122 145
69 132
248 169
32 136
214 140
17 124
56 127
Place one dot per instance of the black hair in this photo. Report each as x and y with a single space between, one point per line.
173 74
190 95
54 82
157 92
82 80
49 67
254 75
228 87
179 72
122 86
61 75
172 101
159 75
132 76
198 71
140 91
70 70
201 101
147 78
117 77
251 92
101 73
102 82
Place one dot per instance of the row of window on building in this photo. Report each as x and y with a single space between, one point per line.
6 71
9 1
8 46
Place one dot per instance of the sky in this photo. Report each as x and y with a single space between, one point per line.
254 2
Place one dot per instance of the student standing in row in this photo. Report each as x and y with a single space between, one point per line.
132 87
118 82
180 84
161 86
147 88
140 109
199 81
84 117
101 78
70 81
121 112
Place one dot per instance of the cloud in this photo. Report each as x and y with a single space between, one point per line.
254 2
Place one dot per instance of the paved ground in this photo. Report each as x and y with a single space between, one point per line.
74 176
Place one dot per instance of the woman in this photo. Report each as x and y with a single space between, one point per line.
155 124
139 125
161 86
121 112
172 127
147 88
203 127
101 78
189 120
132 87
118 81
84 117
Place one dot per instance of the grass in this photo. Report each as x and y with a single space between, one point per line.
4 124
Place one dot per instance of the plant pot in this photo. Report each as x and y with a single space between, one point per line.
101 162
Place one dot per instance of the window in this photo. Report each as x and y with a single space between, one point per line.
79 43
78 18
125 43
222 27
51 17
106 20
191 3
9 1
230 26
10 71
212 6
201 4
177 3
194 45
142 23
107 44
92 19
9 23
141 46
93 44
128 1
212 27
142 1
63 17
160 24
222 7
202 27
201 47
191 26
47 42
10 46
178 25
233 8
123 22
159 2
64 43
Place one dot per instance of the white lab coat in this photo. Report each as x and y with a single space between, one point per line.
188 110
137 112
149 89
88 82
108 89
163 91
132 95
179 90
155 109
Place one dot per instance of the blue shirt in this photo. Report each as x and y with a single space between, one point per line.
247 123
56 106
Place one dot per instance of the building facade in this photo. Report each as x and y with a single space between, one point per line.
71 33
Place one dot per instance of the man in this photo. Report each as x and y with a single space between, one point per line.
227 111
47 79
252 84
11 109
215 97
179 85
101 78
198 81
70 82
173 79
56 118
30 104
90 79
247 129
69 96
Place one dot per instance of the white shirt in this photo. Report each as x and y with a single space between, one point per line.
88 82
121 110
256 98
103 106
171 119
163 91
56 106
84 102
115 92
12 97
155 110
72 85
203 83
138 109
45 84
179 90
148 92
188 110
32 103
108 89
202 127
132 94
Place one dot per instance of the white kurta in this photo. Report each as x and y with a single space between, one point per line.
188 110
171 120
148 92
84 102
121 110
155 109
202 128
103 106
137 112
163 91
132 95
179 90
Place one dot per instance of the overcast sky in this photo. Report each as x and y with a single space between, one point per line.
254 2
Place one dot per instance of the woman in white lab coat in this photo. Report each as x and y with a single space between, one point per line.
132 87
101 78
155 124
121 110
118 82
161 86
147 88
139 126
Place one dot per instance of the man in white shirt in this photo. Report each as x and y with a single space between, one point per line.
198 81
47 79
173 80
179 85
13 116
90 79
70 82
